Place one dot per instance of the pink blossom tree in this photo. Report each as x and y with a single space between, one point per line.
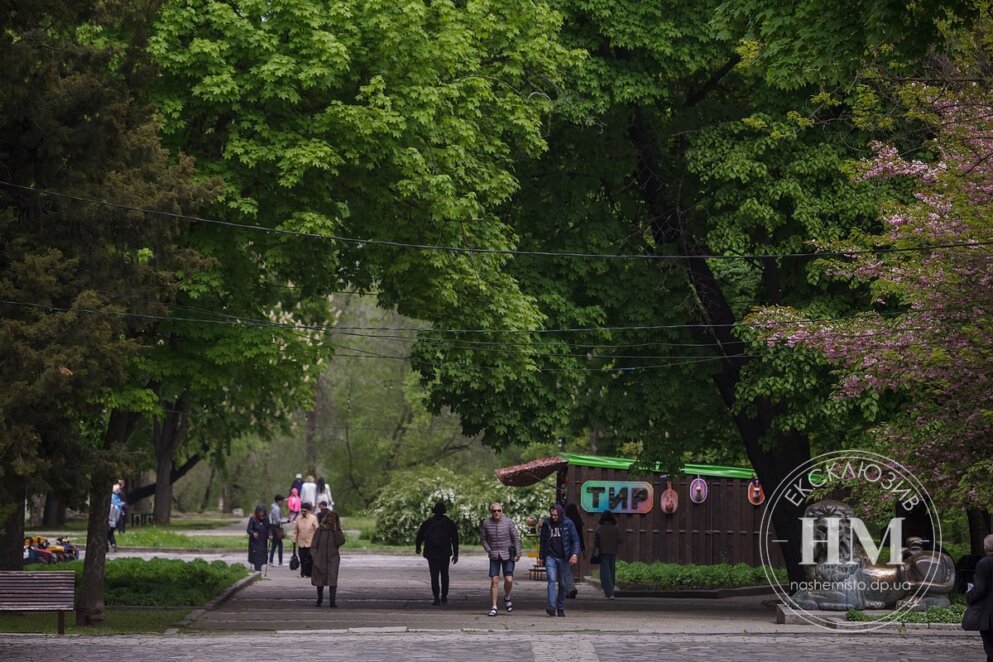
930 277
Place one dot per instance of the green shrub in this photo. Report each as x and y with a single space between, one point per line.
160 582
950 614
407 501
674 576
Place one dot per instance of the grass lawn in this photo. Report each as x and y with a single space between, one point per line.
363 523
358 530
119 621
164 538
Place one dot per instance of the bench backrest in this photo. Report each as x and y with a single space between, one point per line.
37 591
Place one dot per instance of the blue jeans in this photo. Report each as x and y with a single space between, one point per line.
608 572
558 572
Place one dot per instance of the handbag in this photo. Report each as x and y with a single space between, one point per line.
294 560
595 558
280 533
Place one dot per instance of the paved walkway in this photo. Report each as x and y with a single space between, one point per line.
516 647
385 613
395 591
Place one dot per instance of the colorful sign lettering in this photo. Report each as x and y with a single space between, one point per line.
616 496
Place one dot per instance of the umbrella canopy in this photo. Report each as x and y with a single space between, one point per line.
529 473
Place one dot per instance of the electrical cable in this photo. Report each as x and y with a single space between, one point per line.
493 251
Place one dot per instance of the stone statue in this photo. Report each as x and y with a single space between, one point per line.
860 584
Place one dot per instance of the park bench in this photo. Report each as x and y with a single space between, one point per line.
39 591
139 518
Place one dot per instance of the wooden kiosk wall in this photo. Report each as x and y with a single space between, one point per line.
724 528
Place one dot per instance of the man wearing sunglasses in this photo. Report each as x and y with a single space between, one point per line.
502 543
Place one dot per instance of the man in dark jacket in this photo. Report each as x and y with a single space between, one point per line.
981 593
558 550
440 538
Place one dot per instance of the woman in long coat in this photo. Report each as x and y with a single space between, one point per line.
324 550
258 538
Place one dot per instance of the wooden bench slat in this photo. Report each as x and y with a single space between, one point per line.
37 591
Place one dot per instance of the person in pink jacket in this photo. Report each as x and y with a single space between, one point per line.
293 504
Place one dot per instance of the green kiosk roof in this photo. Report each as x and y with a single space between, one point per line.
531 472
624 464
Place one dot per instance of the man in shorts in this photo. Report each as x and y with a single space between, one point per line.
502 543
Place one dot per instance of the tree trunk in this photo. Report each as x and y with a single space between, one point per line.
168 436
89 599
206 493
772 462
162 512
310 439
138 500
12 523
137 495
36 510
55 509
90 608
980 525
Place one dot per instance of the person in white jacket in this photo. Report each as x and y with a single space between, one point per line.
308 492
112 517
324 493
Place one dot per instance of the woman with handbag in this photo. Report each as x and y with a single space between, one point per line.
979 614
324 551
303 535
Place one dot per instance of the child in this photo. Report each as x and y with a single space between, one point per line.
293 504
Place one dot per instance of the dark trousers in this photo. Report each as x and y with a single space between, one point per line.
306 563
273 545
110 537
987 636
439 568
608 571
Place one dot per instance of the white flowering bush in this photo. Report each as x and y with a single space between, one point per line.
406 501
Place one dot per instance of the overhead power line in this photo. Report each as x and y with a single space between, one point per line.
362 353
493 251
234 320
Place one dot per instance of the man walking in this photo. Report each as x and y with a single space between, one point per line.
276 526
440 538
558 549
324 510
502 543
